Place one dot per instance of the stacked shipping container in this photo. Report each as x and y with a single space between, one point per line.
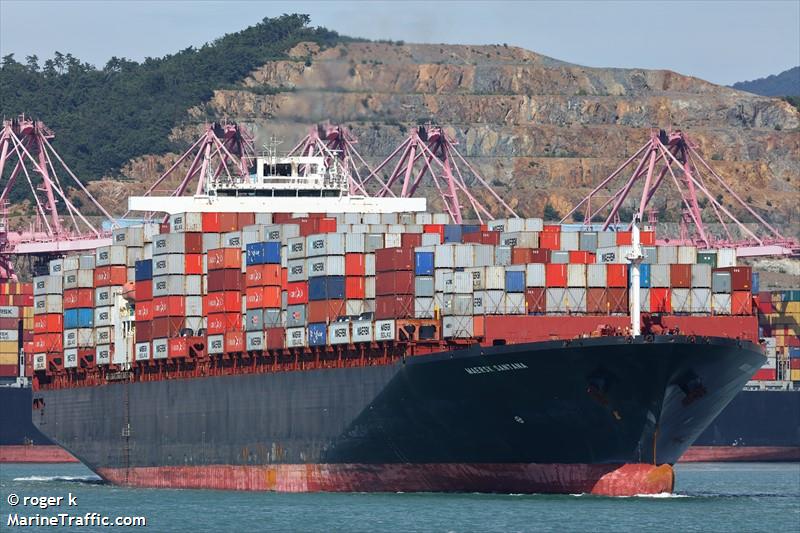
16 326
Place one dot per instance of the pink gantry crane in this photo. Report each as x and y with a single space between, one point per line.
26 155
674 158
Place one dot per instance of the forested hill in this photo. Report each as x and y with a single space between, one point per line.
787 83
105 116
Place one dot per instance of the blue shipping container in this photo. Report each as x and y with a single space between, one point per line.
644 276
756 283
144 270
86 318
470 228
515 281
70 318
326 288
263 253
452 233
423 264
794 352
317 334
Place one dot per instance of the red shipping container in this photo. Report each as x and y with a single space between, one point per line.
284 278
647 238
221 258
661 299
276 338
741 302
144 331
211 223
396 306
110 275
540 255
354 288
9 371
616 275
536 300
354 265
397 282
144 290
482 237
434 228
262 297
741 277
234 342
75 298
325 310
223 302
228 222
177 348
410 240
226 279
624 238
163 228
680 276
262 276
597 301
765 374
521 256
9 323
168 326
581 257
297 292
48 342
193 264
169 306
550 241
281 218
50 323
245 219
555 275
617 300
551 228
144 311
391 259
222 322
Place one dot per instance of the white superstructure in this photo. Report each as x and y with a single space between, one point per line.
280 185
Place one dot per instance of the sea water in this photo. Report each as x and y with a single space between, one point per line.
708 498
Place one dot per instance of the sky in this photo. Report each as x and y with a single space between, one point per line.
720 41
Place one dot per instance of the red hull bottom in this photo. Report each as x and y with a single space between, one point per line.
35 454
607 480
712 454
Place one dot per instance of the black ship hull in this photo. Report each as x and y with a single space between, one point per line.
540 417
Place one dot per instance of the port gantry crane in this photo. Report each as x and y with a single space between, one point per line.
26 155
674 158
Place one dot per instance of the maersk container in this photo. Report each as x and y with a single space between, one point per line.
559 257
232 239
700 300
373 241
576 275
423 263
70 338
47 303
160 348
282 232
329 265
260 253
514 303
102 316
326 288
105 295
132 255
325 244
272 318
483 255
295 337
363 331
71 358
535 275
667 255
216 344
701 275
162 286
144 270
424 286
385 330
296 270
48 285
458 326
515 279
613 254
557 300
167 264
102 335
339 333
478 277
721 303
595 276
457 304
254 341
355 243
721 281
56 267
186 222
588 241
478 307
726 257
142 351
317 334
110 255
295 316
659 275
296 248
130 236
570 240
521 239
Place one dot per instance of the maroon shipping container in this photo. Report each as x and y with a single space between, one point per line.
9 323
389 259
410 240
396 306
596 301
617 300
245 219
227 279
144 331
540 255
396 282
168 326
276 338
741 277
521 256
536 300
680 276
482 237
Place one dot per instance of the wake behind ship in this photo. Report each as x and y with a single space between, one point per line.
379 348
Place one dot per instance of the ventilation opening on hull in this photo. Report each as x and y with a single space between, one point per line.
499 342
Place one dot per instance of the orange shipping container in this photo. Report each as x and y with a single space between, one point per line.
550 241
661 299
354 288
228 222
624 238
325 310
234 341
263 276
223 302
616 275
193 264
245 219
354 265
144 311
647 238
211 223
521 256
741 303
50 323
223 322
220 258
555 275
581 257
262 297
75 298
164 306
680 276
110 275
551 228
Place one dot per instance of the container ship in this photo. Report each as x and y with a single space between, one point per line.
280 333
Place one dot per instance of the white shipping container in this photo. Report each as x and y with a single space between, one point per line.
47 303
85 338
389 218
296 270
443 279
281 232
687 255
9 335
502 255
355 243
70 338
352 218
325 244
295 337
680 300
329 265
701 275
659 275
160 348
613 254
86 262
71 262
477 275
483 255
393 240
431 239
193 306
520 239
373 241
462 283
339 333
726 257
354 307
363 331
106 295
457 326
39 362
71 358
9 311
186 222
596 275
423 218
721 303
102 316
424 286
216 344
193 285
169 264
444 256
296 248
102 335
457 304
48 285
606 239
514 303
534 224
424 307
492 301
464 255
129 236
211 241
700 300
385 330
56 267
576 275
667 255
232 239
142 351
254 341
371 218
102 354
369 287
111 255
570 240
263 218
534 275
132 255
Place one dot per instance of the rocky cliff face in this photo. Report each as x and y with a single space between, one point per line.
541 130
